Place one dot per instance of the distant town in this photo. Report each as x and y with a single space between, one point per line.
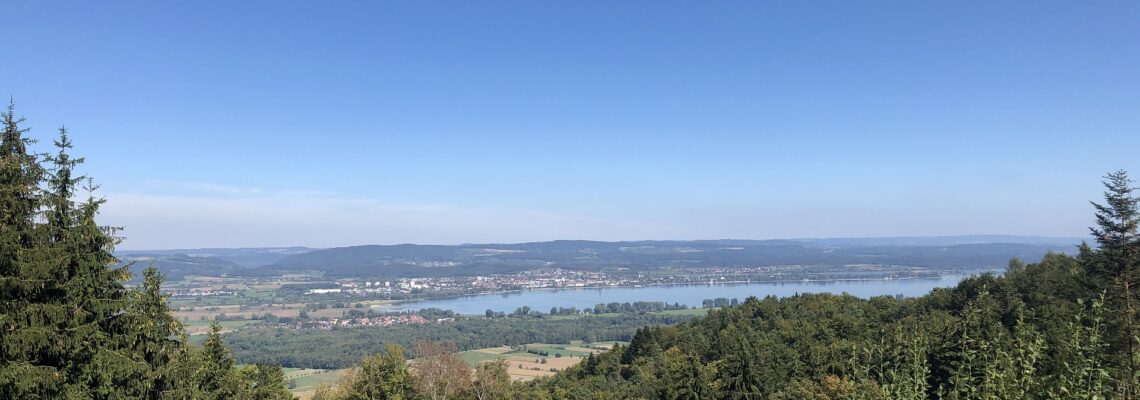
550 278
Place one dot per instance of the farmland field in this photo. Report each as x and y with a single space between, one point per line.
523 366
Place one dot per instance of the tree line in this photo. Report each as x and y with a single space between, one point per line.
341 347
600 308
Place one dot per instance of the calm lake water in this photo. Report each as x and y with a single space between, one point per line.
691 295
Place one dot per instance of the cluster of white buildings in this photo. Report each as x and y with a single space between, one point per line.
402 285
195 292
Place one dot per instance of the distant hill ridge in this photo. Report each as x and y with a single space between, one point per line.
177 263
947 240
411 260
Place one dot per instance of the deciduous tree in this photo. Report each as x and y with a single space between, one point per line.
438 372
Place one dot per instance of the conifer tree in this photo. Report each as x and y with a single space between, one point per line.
153 336
20 175
739 375
1116 264
265 382
32 310
59 296
688 378
79 253
217 367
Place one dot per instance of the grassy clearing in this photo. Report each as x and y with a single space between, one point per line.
564 350
474 357
306 385
522 365
314 380
526 366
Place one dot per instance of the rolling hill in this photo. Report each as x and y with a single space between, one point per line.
408 260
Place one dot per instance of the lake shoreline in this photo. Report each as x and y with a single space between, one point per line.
401 305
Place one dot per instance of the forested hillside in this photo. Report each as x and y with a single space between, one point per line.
69 328
1061 328
964 253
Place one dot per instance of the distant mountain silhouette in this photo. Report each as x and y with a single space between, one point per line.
212 262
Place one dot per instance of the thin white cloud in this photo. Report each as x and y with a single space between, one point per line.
205 215
292 218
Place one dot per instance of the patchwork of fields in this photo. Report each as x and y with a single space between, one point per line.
522 364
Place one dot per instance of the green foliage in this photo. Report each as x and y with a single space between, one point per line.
380 377
831 388
1083 373
685 377
492 381
1115 266
264 382
740 375
62 304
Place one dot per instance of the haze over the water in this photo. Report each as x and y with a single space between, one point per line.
232 124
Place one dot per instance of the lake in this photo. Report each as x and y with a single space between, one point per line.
690 295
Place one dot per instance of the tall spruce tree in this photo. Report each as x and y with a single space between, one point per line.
60 296
154 338
688 378
739 375
264 382
79 251
32 310
1116 265
217 368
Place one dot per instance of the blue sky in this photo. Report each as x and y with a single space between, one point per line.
338 123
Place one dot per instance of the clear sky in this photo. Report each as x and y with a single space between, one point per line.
243 123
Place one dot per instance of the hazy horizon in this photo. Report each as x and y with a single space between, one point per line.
990 238
256 124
